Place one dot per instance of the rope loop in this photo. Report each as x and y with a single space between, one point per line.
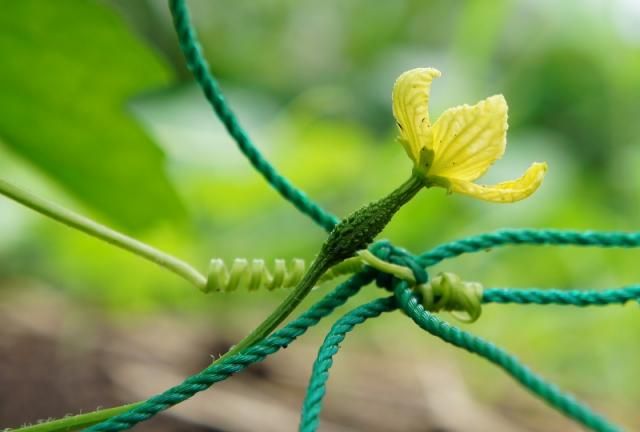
393 262
382 251
447 291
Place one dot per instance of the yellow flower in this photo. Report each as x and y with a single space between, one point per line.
461 145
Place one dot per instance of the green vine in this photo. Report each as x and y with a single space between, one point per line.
99 231
77 422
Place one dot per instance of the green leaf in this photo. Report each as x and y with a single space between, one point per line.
68 70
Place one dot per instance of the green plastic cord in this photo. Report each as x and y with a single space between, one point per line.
345 238
196 62
316 390
534 237
580 298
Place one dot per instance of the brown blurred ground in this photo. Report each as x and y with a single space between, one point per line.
51 364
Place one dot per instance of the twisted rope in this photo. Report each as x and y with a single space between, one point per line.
528 237
197 64
231 365
561 297
316 390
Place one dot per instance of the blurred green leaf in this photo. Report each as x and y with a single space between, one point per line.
478 33
66 75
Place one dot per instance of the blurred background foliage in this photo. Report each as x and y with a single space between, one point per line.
99 113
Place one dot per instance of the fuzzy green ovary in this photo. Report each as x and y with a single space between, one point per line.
359 229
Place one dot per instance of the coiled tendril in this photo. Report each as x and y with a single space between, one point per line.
447 291
254 274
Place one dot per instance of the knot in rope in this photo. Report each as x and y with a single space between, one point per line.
445 292
393 262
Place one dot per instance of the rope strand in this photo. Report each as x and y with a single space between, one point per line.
316 390
197 64
561 297
528 237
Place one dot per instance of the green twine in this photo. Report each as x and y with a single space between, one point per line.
562 297
414 308
533 237
404 298
312 405
197 64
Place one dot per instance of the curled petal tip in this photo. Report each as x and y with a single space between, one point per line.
497 98
505 192
419 72
543 166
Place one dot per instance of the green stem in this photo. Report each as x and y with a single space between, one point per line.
315 271
349 266
77 422
104 233
352 234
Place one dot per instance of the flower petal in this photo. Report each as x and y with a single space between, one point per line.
505 192
411 109
468 139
